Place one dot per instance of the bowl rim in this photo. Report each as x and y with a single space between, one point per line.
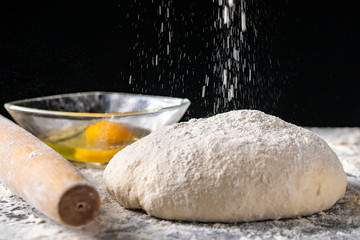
13 105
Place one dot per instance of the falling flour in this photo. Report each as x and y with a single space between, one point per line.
218 54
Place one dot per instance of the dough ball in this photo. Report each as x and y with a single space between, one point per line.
236 166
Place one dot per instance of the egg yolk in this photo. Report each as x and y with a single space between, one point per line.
109 133
100 135
85 155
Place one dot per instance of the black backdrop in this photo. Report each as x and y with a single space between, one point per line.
55 47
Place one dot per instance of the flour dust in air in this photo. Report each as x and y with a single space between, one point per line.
210 54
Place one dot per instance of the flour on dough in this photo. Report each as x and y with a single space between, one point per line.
237 166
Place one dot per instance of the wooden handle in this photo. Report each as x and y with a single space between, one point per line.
42 177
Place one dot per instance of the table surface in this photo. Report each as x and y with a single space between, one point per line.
18 220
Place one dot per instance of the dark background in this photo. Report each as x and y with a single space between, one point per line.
306 54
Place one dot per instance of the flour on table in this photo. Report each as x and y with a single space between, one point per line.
238 166
18 220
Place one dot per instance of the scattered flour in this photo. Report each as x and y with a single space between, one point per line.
18 220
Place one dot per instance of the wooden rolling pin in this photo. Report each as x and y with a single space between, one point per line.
43 178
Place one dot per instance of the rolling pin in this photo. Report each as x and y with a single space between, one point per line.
43 178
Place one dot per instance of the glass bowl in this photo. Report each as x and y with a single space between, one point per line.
90 127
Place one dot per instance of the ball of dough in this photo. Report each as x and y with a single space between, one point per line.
237 166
